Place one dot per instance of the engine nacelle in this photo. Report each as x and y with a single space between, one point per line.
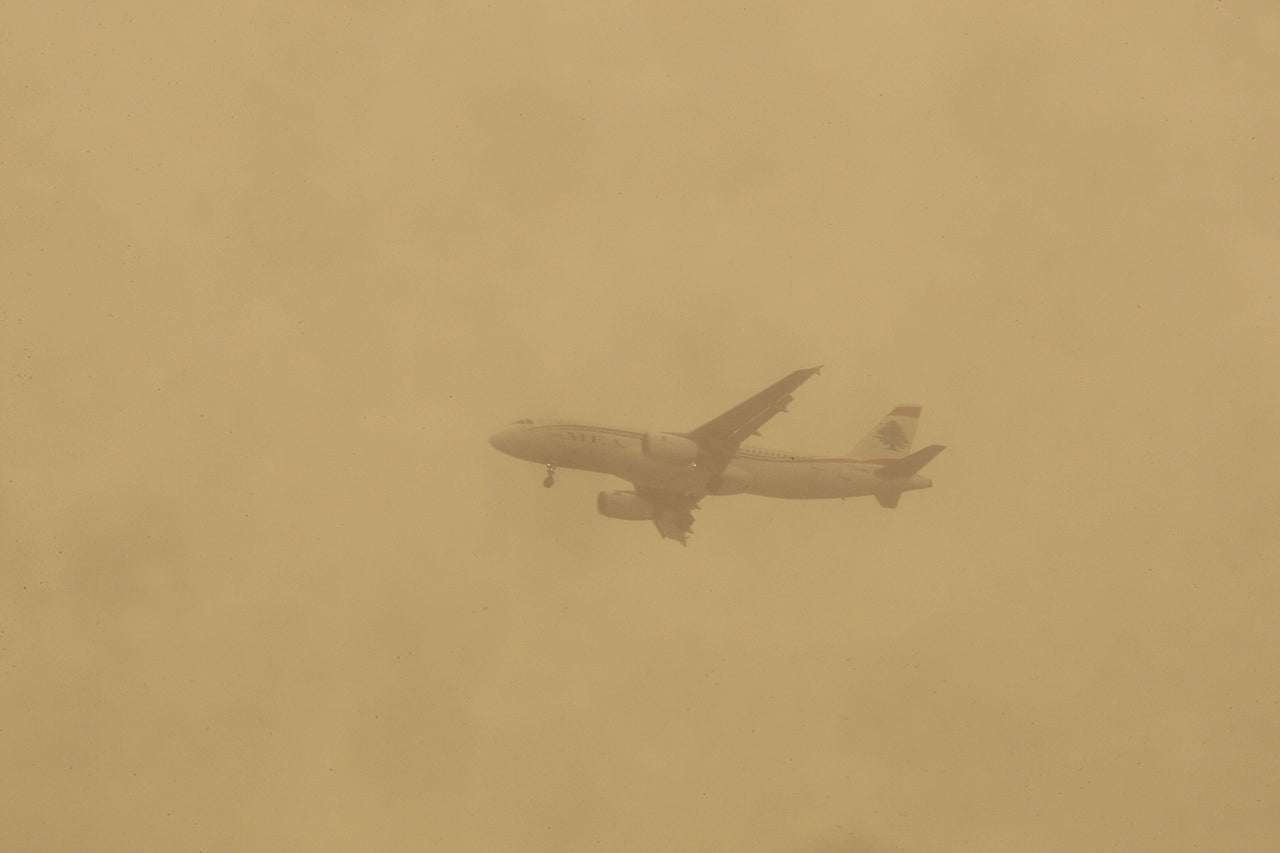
665 447
625 505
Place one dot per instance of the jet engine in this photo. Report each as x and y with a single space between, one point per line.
625 505
665 447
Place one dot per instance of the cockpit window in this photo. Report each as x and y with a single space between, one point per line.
523 421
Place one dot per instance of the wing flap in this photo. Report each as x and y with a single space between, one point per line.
674 512
753 426
744 420
718 438
671 529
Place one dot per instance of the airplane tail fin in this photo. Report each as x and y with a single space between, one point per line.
891 438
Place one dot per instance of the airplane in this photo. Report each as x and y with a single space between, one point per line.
672 471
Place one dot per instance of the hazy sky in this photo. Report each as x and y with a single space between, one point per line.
270 278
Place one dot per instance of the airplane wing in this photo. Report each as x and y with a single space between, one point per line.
721 436
719 439
674 518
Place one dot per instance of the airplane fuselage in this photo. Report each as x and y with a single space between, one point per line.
752 470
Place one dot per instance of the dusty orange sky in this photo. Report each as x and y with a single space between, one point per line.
271 278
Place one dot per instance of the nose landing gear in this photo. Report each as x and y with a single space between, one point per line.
551 476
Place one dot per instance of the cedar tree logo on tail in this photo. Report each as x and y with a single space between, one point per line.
892 436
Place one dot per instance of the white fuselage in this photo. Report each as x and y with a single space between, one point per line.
753 470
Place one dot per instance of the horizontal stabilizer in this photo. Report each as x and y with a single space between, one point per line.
909 465
889 500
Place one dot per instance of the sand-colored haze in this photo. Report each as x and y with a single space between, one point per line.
271 277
